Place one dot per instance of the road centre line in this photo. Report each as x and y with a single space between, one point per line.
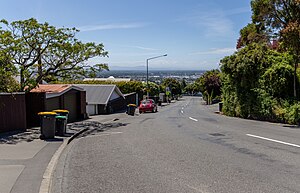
273 140
193 119
182 111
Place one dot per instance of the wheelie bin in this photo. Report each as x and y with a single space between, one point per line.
61 121
47 123
131 109
61 125
62 112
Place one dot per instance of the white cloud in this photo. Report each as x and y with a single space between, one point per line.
137 47
111 26
214 22
215 51
237 11
144 48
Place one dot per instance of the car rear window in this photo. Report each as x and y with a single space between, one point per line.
146 102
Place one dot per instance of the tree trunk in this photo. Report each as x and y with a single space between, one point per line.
22 80
40 68
295 80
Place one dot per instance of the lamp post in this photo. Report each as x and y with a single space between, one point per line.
147 61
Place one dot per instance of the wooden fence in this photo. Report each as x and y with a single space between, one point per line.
12 112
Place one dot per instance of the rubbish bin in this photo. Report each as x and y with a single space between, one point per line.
131 109
61 125
220 106
159 102
48 122
62 112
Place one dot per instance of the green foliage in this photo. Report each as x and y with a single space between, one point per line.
192 88
292 114
153 89
278 77
257 83
7 74
174 85
210 85
251 34
279 16
43 52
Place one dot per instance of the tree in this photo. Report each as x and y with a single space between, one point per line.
210 84
255 80
174 86
281 20
7 73
251 33
153 89
192 88
43 52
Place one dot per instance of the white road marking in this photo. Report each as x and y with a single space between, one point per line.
112 132
196 189
182 111
273 140
193 119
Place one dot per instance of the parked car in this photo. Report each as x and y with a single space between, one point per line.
148 105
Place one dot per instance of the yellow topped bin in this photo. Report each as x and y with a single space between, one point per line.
131 109
48 122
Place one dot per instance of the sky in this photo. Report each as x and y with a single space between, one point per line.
195 34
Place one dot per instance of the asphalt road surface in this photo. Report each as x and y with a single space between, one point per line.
185 147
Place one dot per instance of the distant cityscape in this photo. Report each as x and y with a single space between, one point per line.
154 75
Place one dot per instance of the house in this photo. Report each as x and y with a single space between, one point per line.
48 97
132 98
103 99
109 79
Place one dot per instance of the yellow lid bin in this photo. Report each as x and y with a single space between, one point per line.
47 113
62 112
48 122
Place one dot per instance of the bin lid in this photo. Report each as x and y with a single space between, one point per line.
131 105
61 111
47 113
61 117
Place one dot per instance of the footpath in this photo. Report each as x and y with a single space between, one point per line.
26 160
23 160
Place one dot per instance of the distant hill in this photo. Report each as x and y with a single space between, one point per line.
143 68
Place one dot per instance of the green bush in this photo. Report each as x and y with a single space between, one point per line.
292 114
257 83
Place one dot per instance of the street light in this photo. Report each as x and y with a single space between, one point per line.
147 61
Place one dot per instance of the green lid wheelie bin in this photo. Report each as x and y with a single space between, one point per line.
61 125
48 122
62 112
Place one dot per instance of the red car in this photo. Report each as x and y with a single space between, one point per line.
148 105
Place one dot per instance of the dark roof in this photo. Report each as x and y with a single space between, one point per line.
99 93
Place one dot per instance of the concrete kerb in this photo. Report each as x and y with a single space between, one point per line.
48 174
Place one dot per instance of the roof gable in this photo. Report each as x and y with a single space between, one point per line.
99 93
54 90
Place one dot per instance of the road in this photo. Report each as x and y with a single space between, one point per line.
185 147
